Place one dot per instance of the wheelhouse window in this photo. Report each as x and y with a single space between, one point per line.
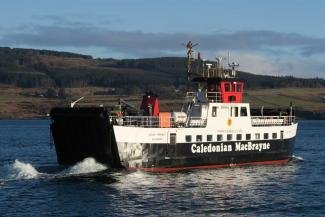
248 136
257 136
229 137
243 111
233 87
227 87
274 135
238 137
266 136
239 88
219 137
199 138
188 138
209 138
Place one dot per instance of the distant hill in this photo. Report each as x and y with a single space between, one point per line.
43 68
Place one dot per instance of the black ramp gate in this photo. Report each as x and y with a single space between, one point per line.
79 133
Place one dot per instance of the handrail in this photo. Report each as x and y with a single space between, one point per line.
141 121
214 96
156 122
197 122
272 120
211 96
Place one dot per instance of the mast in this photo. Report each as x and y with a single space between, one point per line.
190 58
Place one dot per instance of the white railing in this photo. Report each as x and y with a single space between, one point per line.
197 122
272 120
211 96
156 121
141 121
214 96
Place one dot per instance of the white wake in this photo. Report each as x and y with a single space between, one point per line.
298 158
88 165
20 170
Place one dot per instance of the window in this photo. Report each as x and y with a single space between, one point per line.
227 87
233 87
248 136
274 136
219 137
257 136
243 111
199 138
238 136
281 134
172 138
236 111
266 136
209 138
239 89
214 111
188 138
229 137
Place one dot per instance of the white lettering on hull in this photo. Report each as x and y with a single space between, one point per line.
210 148
249 146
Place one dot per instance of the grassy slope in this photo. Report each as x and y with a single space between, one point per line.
20 103
306 98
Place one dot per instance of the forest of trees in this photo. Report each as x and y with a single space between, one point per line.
42 68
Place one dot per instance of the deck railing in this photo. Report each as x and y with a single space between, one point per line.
156 121
214 96
210 96
197 122
260 121
141 121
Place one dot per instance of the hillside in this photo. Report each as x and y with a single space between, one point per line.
31 68
32 81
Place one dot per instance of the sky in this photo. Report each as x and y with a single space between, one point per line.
278 37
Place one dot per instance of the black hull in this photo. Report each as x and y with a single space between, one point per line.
162 157
79 133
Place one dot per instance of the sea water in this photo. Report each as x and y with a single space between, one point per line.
32 183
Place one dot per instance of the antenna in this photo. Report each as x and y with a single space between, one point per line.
73 103
232 65
189 48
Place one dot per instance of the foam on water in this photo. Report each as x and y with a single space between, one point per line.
298 158
20 170
88 165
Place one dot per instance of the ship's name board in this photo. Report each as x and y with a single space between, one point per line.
238 146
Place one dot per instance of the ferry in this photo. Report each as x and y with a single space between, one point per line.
214 128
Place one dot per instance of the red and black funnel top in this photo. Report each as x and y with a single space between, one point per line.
150 104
